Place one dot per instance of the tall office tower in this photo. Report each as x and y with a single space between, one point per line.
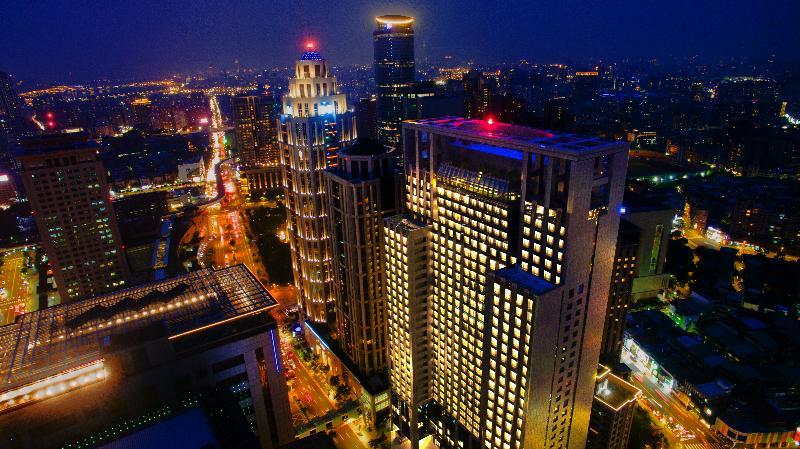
315 124
10 113
367 118
362 189
254 126
612 412
619 295
556 115
141 112
523 225
394 72
10 104
585 85
407 247
66 185
478 89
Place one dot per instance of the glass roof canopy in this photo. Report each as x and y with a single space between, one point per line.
53 340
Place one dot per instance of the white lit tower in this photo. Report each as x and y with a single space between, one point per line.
314 125
496 347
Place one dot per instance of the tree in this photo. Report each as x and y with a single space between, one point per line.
334 381
680 260
342 391
644 433
379 442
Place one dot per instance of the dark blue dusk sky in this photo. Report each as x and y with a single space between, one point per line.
70 40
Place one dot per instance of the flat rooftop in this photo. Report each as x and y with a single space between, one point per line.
50 341
612 390
54 142
519 276
564 145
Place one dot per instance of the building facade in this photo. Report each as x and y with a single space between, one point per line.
254 127
115 363
655 231
362 189
10 112
612 411
619 295
367 116
407 245
523 224
71 202
315 124
10 104
394 72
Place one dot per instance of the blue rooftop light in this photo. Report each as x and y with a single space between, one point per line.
490 149
311 56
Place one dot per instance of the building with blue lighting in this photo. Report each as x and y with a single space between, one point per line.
394 72
510 279
315 124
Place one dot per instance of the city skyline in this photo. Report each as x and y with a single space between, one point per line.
427 225
117 40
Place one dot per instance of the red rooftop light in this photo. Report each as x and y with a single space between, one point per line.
490 121
310 45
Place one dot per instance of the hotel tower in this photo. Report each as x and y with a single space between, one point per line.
314 125
497 282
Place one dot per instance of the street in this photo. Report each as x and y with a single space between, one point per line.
17 289
223 231
682 428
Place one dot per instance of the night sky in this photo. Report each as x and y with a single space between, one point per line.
74 41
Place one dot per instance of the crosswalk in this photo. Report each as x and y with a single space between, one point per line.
703 446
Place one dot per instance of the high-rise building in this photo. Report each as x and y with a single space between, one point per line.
254 126
315 124
367 118
407 248
612 411
10 104
619 294
556 115
362 189
478 89
523 224
131 360
10 113
394 72
142 112
8 191
70 198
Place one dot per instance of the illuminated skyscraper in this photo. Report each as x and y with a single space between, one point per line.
394 72
619 295
254 125
315 124
363 189
71 202
407 249
523 224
